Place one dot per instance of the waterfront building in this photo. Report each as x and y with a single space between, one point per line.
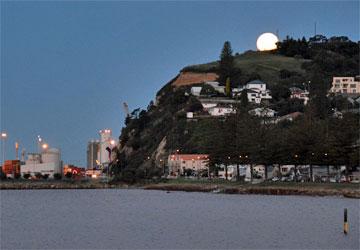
178 163
346 85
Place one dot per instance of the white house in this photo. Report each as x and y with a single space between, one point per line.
263 112
256 84
189 115
221 110
217 87
256 91
195 91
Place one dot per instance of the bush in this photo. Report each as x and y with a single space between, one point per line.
45 176
38 175
17 176
2 175
27 176
57 176
68 175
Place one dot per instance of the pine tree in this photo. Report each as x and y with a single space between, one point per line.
226 66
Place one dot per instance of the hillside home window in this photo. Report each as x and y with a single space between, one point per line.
352 86
345 85
354 90
337 81
253 94
344 90
337 85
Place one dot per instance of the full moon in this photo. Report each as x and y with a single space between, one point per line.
266 41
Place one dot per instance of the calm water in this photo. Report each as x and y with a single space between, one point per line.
137 219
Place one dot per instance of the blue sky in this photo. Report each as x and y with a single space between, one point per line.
67 67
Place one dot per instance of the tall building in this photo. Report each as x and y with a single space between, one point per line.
92 153
346 85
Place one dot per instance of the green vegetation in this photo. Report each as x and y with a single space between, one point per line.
317 137
57 176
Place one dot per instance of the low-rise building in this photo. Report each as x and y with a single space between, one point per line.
263 112
11 168
217 87
178 163
346 85
299 94
196 90
46 163
221 110
256 91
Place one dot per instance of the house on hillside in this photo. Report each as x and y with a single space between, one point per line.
221 110
217 87
263 112
299 94
195 91
256 91
346 85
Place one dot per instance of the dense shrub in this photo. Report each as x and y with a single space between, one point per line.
68 175
38 175
27 176
57 176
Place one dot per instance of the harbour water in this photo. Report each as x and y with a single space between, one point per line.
139 219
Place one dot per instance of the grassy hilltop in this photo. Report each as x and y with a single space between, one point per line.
267 65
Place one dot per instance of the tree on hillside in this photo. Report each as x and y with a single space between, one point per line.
244 98
228 87
226 67
319 105
208 90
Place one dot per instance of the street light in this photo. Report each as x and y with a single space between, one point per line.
3 138
45 146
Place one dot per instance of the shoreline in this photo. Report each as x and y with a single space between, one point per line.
319 189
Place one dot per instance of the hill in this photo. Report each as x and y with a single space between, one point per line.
151 135
267 65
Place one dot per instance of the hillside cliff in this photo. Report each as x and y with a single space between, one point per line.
150 135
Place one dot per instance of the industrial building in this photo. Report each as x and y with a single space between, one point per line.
11 168
105 142
46 163
92 153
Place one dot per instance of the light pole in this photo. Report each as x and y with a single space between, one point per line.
3 139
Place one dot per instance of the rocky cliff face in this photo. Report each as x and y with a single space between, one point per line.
190 78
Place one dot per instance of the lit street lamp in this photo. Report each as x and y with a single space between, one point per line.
3 138
45 146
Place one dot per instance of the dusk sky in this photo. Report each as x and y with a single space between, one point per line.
67 67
